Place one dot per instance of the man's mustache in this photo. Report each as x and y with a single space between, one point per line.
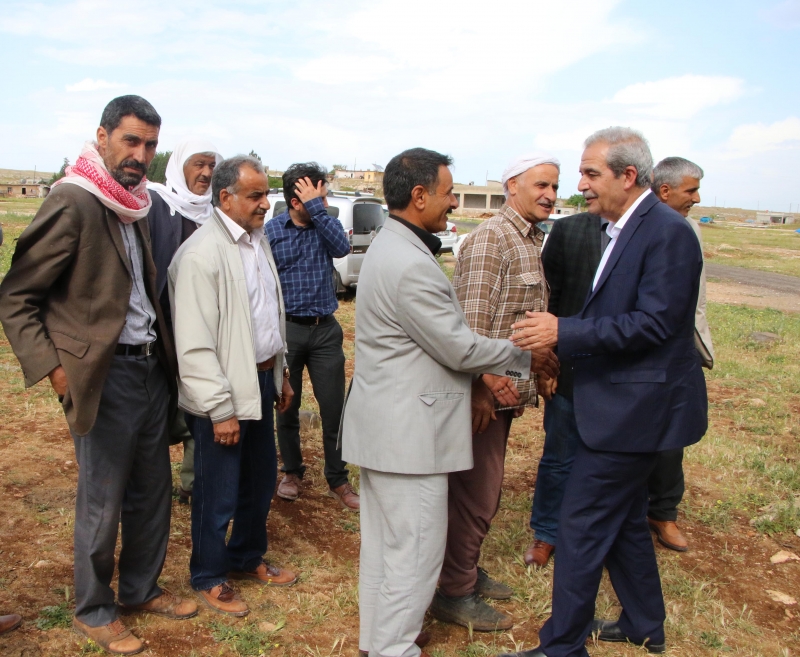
203 179
132 164
589 195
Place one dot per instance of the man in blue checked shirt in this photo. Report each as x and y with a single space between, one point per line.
304 240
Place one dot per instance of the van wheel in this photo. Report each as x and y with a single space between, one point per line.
338 286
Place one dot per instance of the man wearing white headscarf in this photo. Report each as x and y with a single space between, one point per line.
178 208
498 277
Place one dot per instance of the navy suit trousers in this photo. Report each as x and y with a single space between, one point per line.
604 522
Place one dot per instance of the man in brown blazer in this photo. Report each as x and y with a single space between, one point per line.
79 306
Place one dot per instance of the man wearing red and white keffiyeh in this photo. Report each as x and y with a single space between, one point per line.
79 306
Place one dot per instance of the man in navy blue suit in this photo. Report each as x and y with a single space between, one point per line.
638 390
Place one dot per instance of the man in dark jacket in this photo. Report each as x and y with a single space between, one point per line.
179 207
570 259
79 306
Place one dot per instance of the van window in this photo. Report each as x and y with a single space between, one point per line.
367 217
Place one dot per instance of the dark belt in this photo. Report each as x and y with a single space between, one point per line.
307 321
266 365
147 349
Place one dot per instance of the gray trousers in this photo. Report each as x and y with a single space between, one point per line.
124 476
403 536
319 348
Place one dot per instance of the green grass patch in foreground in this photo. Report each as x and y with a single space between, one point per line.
751 450
246 640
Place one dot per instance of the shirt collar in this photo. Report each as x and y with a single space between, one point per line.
237 232
428 239
615 229
523 226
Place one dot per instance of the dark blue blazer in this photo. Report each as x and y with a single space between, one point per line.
638 382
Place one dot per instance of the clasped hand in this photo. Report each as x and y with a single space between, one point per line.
538 331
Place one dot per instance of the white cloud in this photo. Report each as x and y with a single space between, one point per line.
785 15
679 97
88 84
758 138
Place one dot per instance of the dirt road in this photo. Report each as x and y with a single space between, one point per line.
754 278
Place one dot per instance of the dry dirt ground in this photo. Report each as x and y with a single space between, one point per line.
742 481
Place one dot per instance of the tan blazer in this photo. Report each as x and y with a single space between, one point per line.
408 410
702 332
65 298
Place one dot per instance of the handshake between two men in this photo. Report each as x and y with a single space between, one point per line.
538 334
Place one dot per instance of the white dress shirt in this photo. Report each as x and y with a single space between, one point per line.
261 289
613 230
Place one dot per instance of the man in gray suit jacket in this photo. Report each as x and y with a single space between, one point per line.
407 421
676 182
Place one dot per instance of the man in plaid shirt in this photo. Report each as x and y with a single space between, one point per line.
304 240
499 276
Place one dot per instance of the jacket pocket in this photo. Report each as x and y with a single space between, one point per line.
430 398
64 342
638 376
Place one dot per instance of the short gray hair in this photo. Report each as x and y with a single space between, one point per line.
627 148
226 175
672 170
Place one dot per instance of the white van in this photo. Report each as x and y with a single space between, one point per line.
361 217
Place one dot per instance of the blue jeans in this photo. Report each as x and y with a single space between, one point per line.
560 442
232 482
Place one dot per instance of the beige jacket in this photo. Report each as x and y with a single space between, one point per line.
702 333
217 374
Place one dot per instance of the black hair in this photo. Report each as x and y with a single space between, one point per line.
310 170
124 106
226 175
416 166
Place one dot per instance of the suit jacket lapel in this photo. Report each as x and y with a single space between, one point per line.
624 237
116 236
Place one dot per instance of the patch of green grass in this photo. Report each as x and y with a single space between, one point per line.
245 640
770 249
56 616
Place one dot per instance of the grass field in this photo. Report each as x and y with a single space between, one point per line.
774 249
742 506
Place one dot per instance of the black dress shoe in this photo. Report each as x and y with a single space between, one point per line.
536 652
606 630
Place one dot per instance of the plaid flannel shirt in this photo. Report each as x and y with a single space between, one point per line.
499 275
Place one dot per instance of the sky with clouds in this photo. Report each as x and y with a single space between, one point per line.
359 81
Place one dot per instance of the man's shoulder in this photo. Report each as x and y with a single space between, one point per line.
67 194
277 223
577 222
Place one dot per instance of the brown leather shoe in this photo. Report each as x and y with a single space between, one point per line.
668 534
267 574
114 637
10 622
166 604
348 498
538 553
422 640
290 487
225 600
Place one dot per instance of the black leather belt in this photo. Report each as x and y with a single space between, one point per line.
307 321
147 349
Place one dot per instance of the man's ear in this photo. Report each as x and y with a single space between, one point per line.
663 192
512 186
418 195
224 200
296 204
102 140
630 174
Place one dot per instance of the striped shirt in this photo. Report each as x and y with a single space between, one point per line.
262 289
499 275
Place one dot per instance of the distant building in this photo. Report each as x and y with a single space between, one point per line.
367 175
23 190
774 217
475 200
564 210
